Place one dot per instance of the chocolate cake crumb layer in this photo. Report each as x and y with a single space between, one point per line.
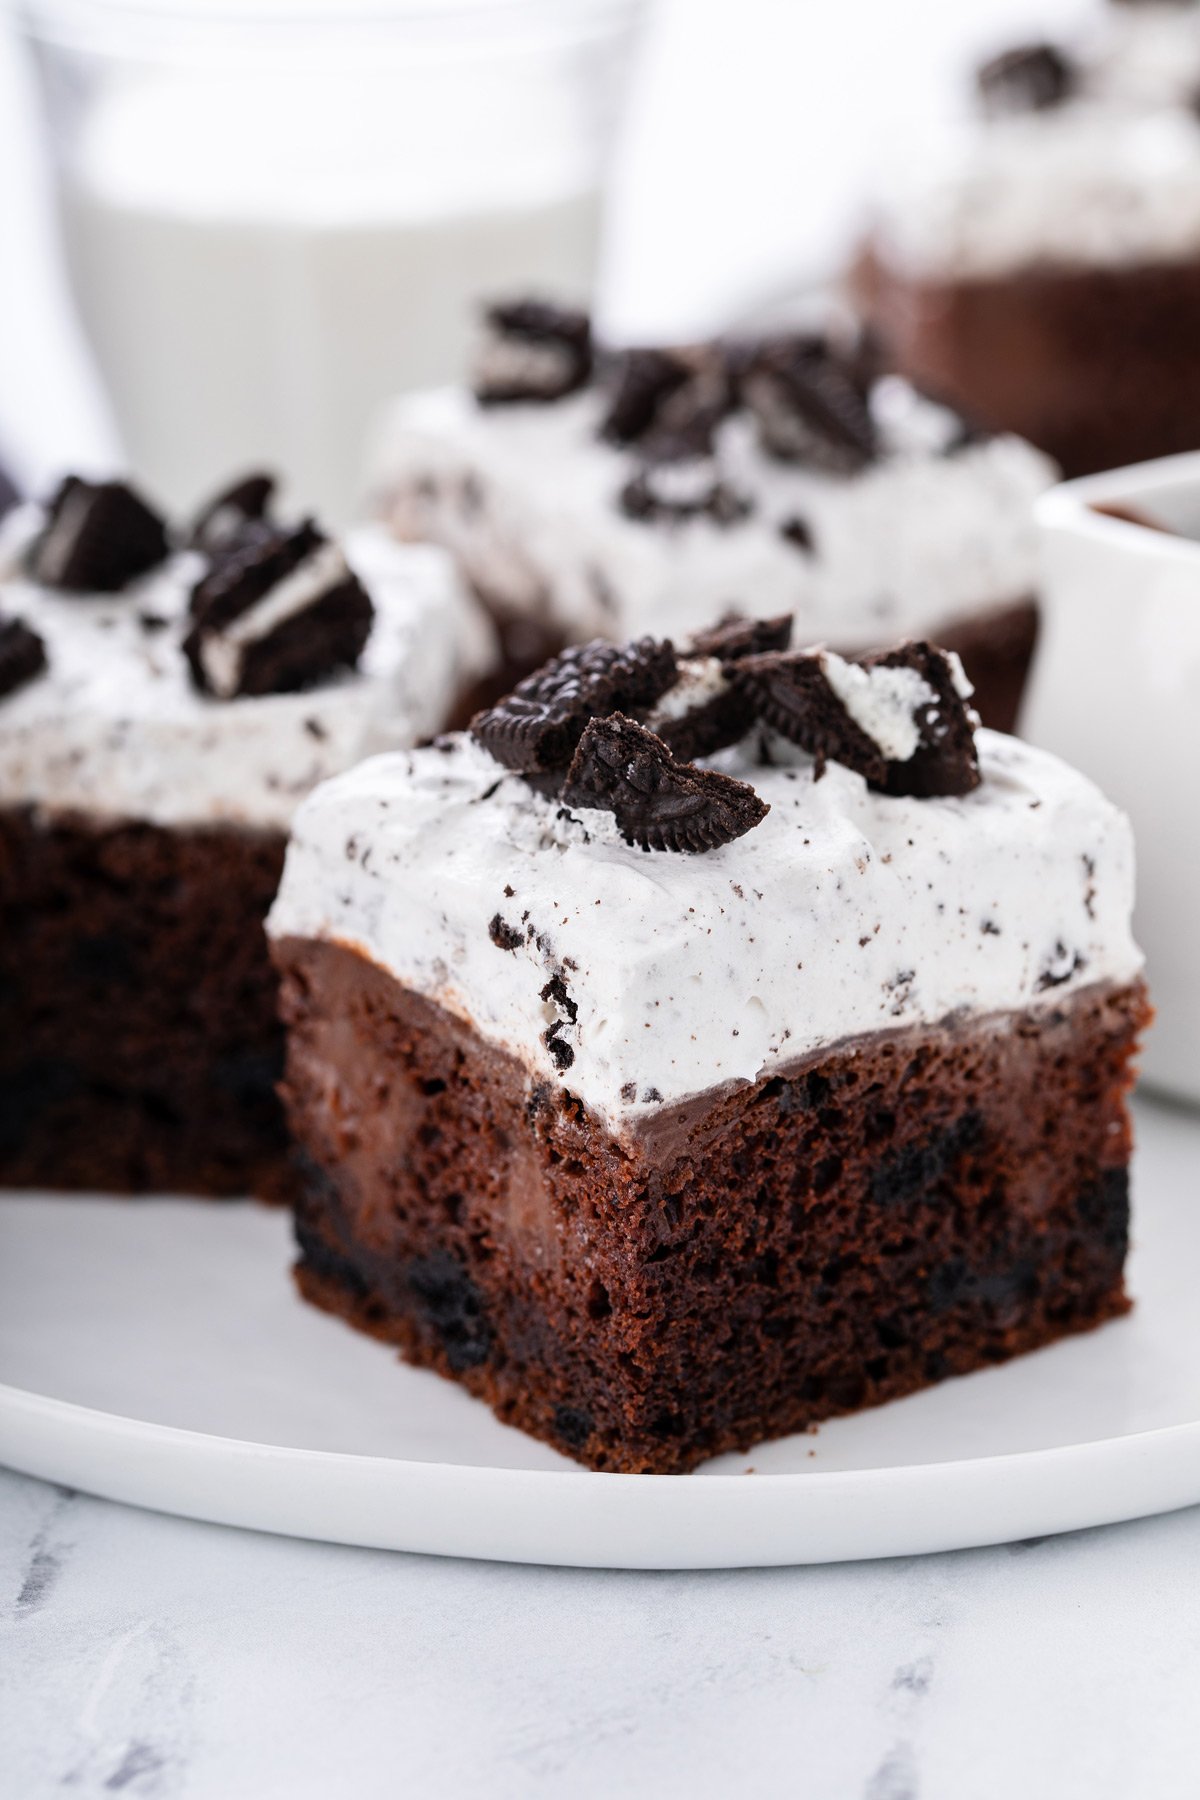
896 1210
140 1044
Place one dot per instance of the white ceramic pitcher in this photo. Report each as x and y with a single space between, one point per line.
1116 690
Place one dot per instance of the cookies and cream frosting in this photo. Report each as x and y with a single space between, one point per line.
635 979
935 528
1105 174
115 727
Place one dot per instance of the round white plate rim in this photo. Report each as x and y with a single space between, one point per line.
613 1520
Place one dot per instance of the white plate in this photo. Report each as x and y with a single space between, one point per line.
154 1352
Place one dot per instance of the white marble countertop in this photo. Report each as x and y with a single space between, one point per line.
151 1657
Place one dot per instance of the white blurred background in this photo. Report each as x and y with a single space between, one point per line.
753 134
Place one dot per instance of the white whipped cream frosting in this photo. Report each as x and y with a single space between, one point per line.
844 912
525 496
116 729
1081 185
1108 178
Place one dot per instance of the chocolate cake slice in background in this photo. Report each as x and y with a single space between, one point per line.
1044 272
655 489
669 1107
154 741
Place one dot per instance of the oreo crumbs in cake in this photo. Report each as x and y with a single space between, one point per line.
1029 78
277 614
533 351
657 801
22 655
98 537
237 513
536 728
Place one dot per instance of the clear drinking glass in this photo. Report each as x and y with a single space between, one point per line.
277 214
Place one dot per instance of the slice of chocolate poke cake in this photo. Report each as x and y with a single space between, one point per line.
162 711
588 492
711 1042
1040 266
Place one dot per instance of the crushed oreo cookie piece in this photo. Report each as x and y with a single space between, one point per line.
22 655
1029 78
279 613
536 728
533 351
240 511
504 935
900 718
734 637
706 710
98 537
657 801
810 404
945 760
675 490
711 725
798 532
791 693
641 381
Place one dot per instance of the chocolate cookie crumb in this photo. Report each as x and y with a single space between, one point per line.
657 801
798 532
22 655
1029 78
504 935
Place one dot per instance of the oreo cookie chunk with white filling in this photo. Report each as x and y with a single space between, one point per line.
276 614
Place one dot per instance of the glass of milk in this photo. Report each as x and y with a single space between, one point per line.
276 213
